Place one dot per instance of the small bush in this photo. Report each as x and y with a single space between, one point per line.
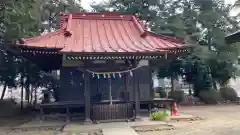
177 96
161 116
210 96
191 100
228 94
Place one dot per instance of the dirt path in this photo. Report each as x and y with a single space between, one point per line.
219 120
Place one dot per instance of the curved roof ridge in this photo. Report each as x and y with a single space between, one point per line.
164 37
139 25
102 16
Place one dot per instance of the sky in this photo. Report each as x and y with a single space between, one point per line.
86 3
229 1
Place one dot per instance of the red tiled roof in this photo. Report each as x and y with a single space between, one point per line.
49 40
103 32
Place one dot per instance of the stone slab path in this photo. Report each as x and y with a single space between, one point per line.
119 131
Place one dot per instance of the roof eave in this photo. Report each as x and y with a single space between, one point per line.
233 38
172 39
232 34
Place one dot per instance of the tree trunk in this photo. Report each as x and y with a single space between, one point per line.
35 96
172 84
22 92
27 90
31 95
196 90
4 90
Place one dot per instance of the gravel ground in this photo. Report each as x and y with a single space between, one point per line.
219 120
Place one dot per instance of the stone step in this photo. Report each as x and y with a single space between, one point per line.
119 131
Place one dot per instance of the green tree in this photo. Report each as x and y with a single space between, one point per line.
216 21
146 10
203 24
7 72
51 9
17 22
27 18
172 70
213 60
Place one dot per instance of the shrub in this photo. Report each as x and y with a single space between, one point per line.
191 100
161 116
228 94
177 96
210 96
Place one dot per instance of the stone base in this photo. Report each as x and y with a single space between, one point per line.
138 118
87 122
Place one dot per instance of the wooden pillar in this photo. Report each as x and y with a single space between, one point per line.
151 81
87 98
136 95
152 92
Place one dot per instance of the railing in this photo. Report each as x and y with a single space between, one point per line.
66 110
104 111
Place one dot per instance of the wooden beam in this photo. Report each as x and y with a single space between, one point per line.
136 95
87 98
151 81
